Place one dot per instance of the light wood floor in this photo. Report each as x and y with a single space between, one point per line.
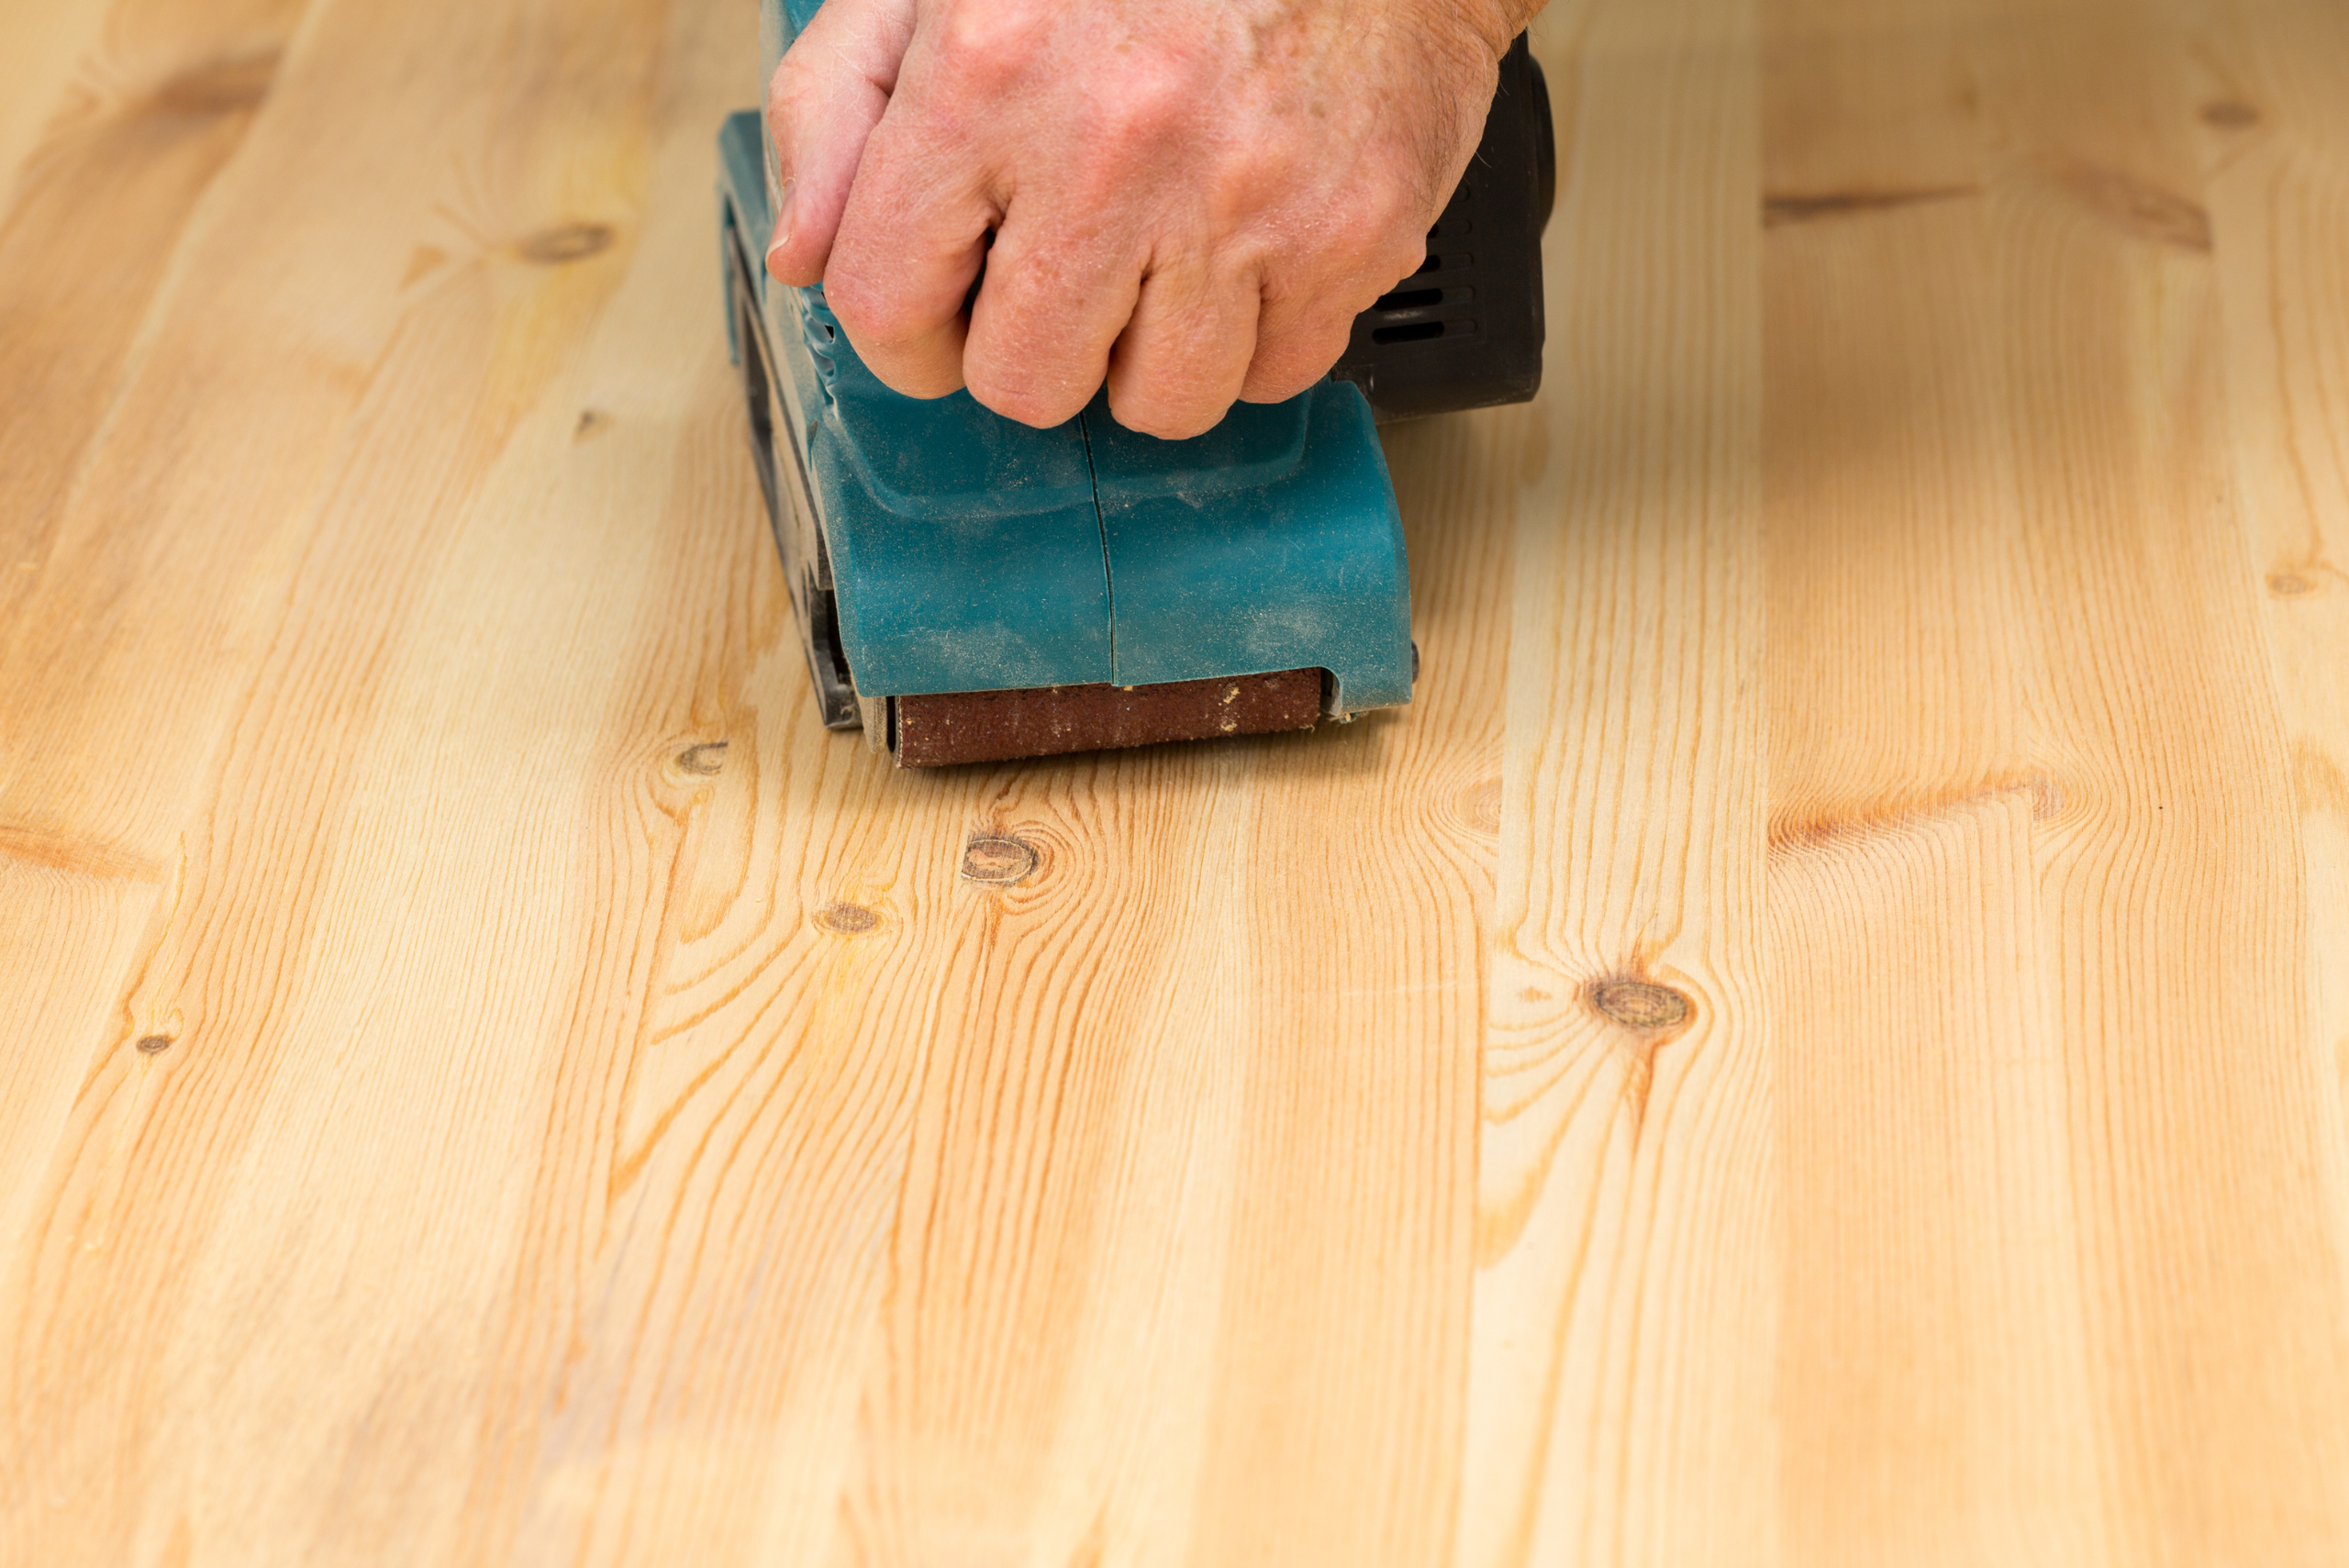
1818 1040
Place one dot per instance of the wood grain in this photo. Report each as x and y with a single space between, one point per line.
1819 1037
1621 1369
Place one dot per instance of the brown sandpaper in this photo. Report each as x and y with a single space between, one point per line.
997 726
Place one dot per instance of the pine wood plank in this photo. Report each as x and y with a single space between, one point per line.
2274 140
223 588
1619 1373
2206 1171
1934 1400
2076 749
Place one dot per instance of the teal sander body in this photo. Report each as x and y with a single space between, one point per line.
971 589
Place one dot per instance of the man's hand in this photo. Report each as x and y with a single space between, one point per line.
1192 198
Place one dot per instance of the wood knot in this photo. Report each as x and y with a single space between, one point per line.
1640 1004
154 1044
2230 114
591 422
2289 586
565 243
847 919
704 762
220 87
998 861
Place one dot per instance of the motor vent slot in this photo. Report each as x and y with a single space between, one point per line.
1421 332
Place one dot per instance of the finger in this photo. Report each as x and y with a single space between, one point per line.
1301 331
1185 357
911 241
1296 345
829 91
1056 299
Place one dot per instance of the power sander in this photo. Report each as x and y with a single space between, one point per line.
971 589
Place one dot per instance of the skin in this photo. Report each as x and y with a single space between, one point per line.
1188 199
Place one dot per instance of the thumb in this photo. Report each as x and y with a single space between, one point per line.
826 96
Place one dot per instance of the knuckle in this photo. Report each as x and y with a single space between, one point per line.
1248 183
1365 253
1379 231
1403 244
1146 104
1288 364
1026 359
870 312
794 88
1408 255
992 42
1023 296
1278 383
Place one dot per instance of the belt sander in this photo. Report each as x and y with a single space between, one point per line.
971 589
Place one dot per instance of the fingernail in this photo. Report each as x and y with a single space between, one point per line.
782 226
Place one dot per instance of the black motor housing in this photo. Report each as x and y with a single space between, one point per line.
1465 330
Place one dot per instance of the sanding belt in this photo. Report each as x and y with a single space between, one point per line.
998 727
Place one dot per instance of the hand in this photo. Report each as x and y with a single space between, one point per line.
1190 198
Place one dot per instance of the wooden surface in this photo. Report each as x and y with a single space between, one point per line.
1818 1040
